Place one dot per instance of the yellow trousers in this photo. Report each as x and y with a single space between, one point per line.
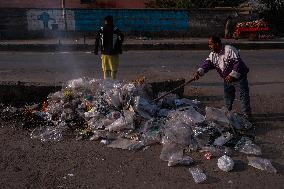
110 65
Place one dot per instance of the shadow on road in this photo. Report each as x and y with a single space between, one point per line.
271 117
215 84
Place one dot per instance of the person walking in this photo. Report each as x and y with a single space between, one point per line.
109 38
228 63
229 27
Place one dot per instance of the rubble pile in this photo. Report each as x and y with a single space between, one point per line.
123 115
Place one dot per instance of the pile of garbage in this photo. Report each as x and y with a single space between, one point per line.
260 23
123 115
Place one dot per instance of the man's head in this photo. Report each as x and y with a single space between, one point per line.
108 20
215 44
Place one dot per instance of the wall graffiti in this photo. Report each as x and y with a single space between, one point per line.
91 20
50 20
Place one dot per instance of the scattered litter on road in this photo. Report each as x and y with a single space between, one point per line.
123 115
262 164
185 161
198 175
245 145
225 163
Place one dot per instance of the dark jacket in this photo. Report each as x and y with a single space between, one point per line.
110 40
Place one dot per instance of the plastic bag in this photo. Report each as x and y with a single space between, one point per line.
205 134
151 137
223 139
177 132
262 164
245 145
122 143
225 163
122 123
239 122
217 151
170 150
219 115
186 102
114 98
53 134
198 175
174 161
188 115
144 108
168 101
164 112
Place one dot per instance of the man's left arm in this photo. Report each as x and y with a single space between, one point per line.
234 58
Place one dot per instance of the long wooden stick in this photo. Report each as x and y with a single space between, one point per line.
182 85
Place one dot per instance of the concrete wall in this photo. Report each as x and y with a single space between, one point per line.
131 3
72 4
204 22
30 4
27 23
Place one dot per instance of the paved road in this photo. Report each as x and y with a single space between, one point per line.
27 163
266 67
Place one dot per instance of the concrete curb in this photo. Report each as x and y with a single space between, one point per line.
128 47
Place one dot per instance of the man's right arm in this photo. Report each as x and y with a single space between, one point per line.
204 68
97 43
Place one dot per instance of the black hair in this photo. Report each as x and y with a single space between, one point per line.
109 19
216 39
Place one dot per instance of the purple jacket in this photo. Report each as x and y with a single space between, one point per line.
227 62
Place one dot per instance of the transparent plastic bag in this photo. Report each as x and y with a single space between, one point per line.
239 122
198 175
151 137
184 161
144 108
219 115
168 101
122 123
188 115
205 134
115 98
78 85
170 150
225 163
164 112
262 164
178 132
99 123
122 143
130 88
52 134
245 145
223 139
217 151
186 102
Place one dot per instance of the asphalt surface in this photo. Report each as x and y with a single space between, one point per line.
27 163
87 44
266 66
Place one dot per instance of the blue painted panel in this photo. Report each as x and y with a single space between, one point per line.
133 20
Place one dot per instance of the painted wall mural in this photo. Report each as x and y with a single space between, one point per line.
49 19
91 20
